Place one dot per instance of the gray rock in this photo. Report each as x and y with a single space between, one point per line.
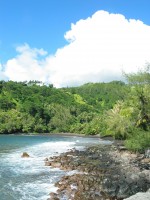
140 196
147 153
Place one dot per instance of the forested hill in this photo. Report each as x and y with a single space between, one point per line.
33 107
115 108
101 96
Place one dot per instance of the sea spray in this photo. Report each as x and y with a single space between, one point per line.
29 178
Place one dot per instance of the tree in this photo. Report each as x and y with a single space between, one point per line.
61 118
119 121
140 94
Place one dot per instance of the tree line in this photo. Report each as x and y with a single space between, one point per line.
119 109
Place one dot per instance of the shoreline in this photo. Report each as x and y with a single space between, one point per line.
54 134
100 172
104 172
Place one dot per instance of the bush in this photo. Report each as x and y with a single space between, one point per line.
138 142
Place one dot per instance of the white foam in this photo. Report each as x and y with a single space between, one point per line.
52 188
33 191
30 178
36 180
70 173
37 155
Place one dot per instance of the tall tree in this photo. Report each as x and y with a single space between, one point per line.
140 93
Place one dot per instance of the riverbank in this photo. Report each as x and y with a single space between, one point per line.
102 172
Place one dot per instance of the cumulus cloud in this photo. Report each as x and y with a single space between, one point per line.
2 75
99 49
27 65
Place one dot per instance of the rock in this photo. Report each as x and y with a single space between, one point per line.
103 172
25 155
53 196
122 148
46 159
145 160
47 163
56 164
147 153
147 175
140 196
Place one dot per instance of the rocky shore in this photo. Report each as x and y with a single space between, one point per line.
102 172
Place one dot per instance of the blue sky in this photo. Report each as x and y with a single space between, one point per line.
42 25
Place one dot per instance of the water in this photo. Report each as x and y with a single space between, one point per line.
28 178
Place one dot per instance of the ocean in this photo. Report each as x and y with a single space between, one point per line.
29 178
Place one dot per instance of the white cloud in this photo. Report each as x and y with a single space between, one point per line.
2 76
27 65
98 49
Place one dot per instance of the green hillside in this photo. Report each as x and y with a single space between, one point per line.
115 108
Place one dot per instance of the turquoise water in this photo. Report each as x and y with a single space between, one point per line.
28 178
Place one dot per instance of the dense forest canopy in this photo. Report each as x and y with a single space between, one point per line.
114 108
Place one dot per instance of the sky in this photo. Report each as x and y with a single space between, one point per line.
72 42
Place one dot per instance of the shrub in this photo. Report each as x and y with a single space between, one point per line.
139 141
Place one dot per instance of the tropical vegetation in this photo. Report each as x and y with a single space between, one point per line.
118 109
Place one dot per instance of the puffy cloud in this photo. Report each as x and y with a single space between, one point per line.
28 65
99 49
2 75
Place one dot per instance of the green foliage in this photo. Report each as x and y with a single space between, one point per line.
140 95
28 123
14 121
60 120
114 108
93 127
119 121
40 126
87 123
10 121
79 99
7 103
139 141
100 96
142 77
